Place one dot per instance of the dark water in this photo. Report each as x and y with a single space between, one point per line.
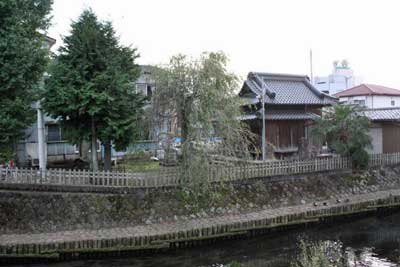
374 242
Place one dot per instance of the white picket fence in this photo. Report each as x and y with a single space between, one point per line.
384 159
171 176
89 178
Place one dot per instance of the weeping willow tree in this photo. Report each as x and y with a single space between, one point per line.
200 96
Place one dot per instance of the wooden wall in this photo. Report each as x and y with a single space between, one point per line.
391 137
282 133
285 133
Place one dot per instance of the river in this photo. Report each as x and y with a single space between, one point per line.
374 241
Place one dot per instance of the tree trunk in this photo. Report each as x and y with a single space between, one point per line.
95 163
185 110
186 149
107 156
85 146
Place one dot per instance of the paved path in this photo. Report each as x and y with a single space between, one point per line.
179 227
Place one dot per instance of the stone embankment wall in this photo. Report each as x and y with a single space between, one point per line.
33 212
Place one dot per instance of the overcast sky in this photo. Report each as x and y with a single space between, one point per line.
267 36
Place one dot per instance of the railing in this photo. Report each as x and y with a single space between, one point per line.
170 176
384 159
167 177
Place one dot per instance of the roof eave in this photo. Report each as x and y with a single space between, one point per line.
268 91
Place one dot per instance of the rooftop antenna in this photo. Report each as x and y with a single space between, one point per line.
311 68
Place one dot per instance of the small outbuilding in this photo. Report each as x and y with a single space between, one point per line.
292 104
384 129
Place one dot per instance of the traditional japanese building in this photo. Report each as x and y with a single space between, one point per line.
291 102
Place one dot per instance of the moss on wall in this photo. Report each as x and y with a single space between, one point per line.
25 211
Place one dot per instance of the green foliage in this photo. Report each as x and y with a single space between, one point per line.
204 196
234 264
23 58
140 166
345 129
365 179
92 82
200 94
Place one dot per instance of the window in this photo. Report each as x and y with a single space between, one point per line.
149 91
145 88
53 133
393 103
360 102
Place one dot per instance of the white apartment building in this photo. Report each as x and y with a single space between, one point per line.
341 78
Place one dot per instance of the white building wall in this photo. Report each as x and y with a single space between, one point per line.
369 102
372 101
376 134
385 101
145 83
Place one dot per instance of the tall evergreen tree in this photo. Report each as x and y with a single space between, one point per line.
90 89
23 59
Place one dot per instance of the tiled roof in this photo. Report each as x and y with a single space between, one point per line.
383 114
282 115
368 89
247 117
284 89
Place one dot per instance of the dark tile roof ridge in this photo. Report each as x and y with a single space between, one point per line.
257 81
268 91
303 78
330 96
313 89
251 85
280 75
288 110
379 109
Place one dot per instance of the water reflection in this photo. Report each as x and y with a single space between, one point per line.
367 257
372 242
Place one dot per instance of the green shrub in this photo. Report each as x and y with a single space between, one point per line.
320 254
345 128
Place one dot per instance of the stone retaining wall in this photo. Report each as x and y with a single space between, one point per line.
80 242
25 211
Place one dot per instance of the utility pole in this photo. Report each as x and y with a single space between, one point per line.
311 67
263 124
41 141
